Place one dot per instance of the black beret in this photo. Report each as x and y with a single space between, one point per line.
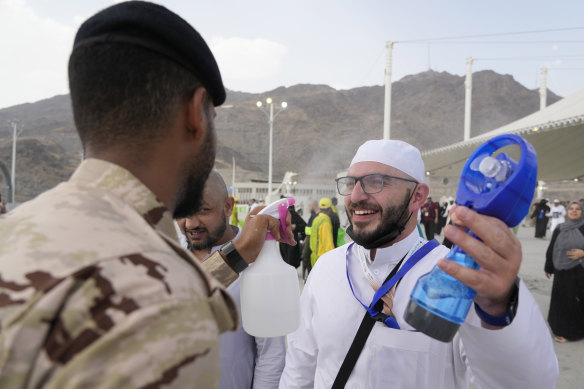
156 28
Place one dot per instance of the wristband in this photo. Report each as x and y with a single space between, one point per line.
232 257
505 319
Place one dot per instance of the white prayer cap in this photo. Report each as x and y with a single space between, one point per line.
394 153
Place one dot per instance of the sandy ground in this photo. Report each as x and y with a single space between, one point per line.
571 354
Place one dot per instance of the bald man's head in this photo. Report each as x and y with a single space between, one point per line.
215 187
208 226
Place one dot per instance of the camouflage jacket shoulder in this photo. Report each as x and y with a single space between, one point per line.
95 291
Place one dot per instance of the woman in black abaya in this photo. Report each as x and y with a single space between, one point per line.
565 260
541 220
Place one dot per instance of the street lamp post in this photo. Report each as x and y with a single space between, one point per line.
15 133
271 116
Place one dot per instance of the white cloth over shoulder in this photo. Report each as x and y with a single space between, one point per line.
518 356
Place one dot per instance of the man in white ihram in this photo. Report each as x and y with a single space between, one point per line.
246 361
384 189
557 214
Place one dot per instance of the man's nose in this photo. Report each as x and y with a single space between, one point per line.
358 194
192 222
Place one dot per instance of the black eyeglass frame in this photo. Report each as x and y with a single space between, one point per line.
360 180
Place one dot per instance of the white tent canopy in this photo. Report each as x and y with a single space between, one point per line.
556 133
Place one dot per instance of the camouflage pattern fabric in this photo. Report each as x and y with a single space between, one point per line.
96 292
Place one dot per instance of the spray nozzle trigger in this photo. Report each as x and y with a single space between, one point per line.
283 211
279 210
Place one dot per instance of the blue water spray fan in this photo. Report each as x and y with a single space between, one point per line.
494 186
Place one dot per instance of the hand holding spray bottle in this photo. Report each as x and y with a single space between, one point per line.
494 186
270 292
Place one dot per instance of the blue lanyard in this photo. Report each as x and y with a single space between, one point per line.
373 312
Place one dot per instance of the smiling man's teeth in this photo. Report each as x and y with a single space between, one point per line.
366 212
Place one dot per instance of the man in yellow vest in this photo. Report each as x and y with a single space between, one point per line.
321 238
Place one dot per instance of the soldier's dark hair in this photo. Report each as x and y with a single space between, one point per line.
125 94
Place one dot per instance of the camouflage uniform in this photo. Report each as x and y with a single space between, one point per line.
96 292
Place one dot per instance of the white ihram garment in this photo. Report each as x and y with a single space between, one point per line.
557 215
520 355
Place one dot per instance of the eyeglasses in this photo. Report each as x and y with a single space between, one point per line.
371 183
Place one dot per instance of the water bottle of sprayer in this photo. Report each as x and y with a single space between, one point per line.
495 186
270 292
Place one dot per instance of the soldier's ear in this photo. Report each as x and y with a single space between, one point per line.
196 114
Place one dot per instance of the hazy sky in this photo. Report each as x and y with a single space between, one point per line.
261 45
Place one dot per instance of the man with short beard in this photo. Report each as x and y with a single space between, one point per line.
383 191
207 228
246 361
95 290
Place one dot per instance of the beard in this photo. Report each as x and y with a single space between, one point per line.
212 237
391 226
190 194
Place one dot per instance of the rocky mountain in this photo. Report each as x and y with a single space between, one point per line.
315 136
322 127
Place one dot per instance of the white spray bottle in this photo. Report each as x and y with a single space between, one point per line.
270 292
